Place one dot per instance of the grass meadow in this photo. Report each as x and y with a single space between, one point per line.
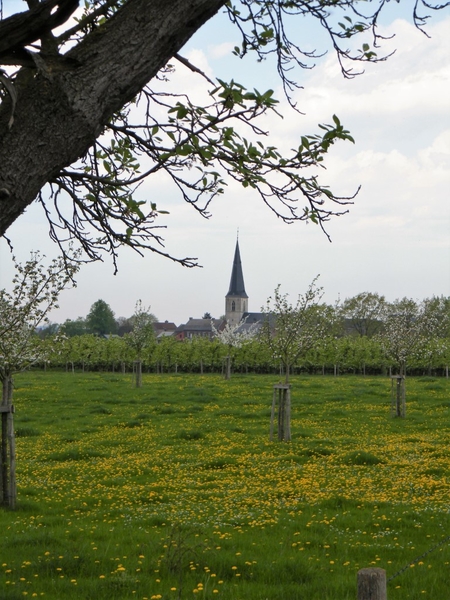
174 490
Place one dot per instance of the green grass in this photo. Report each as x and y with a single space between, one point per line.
175 491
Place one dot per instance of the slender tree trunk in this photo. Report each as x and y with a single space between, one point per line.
228 367
138 373
287 369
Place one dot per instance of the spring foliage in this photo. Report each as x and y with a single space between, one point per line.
35 293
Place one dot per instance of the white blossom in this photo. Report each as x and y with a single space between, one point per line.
35 293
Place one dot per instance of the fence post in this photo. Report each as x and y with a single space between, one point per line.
372 584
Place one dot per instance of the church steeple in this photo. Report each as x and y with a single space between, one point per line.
236 301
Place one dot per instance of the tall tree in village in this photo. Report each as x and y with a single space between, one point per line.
364 313
35 293
141 337
71 79
100 319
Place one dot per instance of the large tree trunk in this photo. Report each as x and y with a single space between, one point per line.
61 110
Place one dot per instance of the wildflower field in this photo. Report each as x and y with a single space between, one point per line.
174 490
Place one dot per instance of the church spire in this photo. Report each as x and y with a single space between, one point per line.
237 287
236 299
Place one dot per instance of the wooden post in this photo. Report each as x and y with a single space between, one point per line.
398 402
372 584
282 396
12 488
272 412
4 461
8 447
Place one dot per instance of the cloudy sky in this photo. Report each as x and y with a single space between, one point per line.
395 239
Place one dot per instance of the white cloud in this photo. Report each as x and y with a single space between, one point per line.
221 50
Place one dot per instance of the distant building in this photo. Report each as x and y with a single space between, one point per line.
198 328
164 329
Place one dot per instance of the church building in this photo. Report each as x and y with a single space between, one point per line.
236 301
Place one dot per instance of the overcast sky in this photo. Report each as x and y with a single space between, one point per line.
395 240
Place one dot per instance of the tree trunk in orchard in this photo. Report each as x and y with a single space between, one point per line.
62 110
228 367
138 366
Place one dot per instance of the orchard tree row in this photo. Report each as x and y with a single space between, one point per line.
329 354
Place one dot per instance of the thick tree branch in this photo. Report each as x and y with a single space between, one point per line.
59 115
24 28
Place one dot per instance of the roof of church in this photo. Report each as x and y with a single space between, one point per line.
199 325
254 320
237 287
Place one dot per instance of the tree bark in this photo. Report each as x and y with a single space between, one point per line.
62 109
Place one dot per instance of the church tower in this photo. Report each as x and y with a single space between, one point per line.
236 301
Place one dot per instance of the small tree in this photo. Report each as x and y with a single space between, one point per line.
290 331
407 328
35 293
142 336
234 336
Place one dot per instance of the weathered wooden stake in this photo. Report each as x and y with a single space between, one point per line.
8 447
4 462
372 584
398 403
282 397
12 491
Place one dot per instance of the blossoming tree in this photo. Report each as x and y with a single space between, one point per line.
408 326
234 336
290 331
141 337
35 293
